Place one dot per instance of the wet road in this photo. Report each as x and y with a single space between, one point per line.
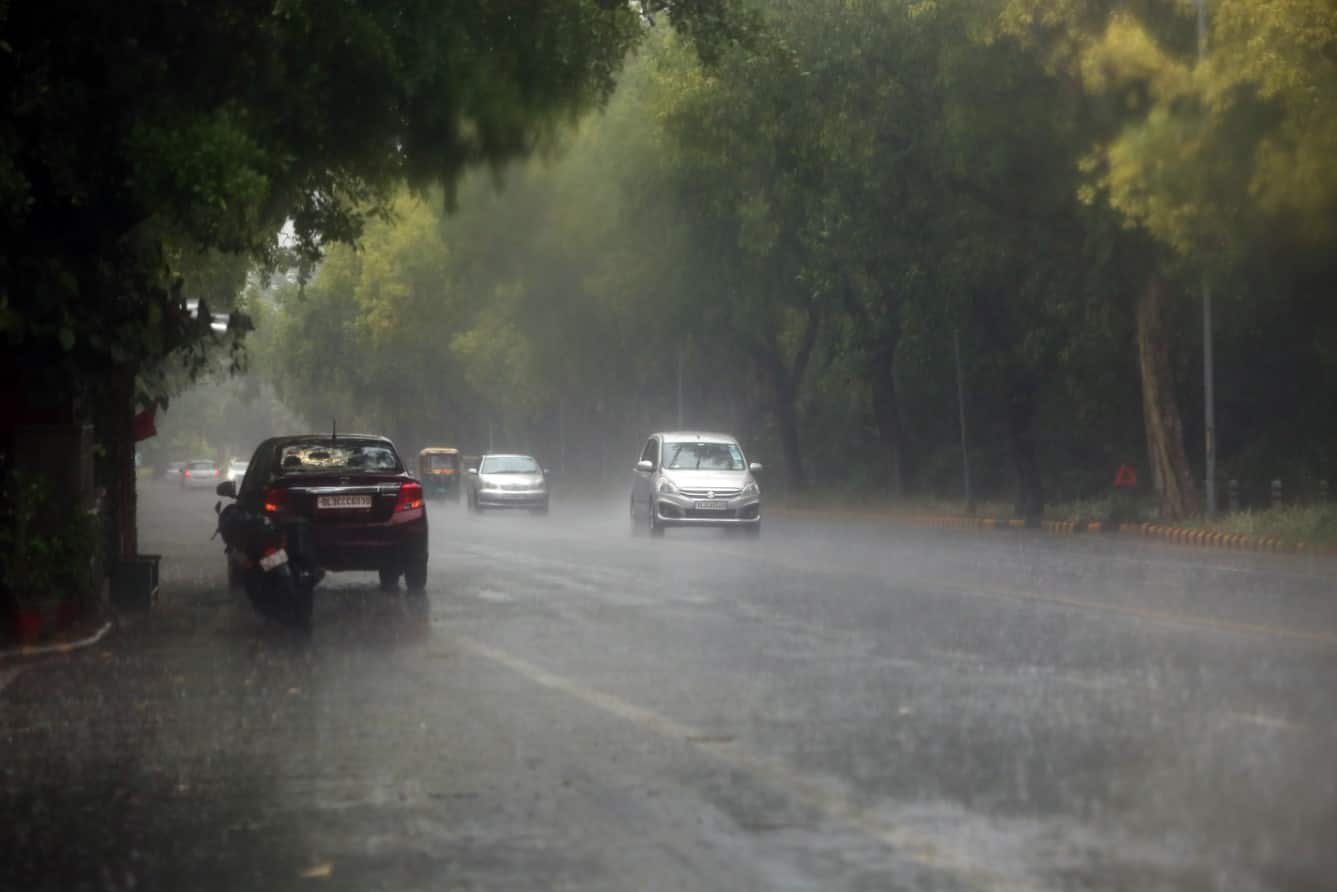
837 706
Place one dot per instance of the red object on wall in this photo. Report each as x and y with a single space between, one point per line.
144 427
1125 477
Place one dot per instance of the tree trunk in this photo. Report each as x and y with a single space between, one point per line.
1019 388
114 431
1170 471
887 413
786 414
786 378
1021 432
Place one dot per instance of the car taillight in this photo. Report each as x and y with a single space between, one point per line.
410 497
275 500
215 472
185 473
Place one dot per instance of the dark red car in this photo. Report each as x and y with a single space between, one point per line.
362 508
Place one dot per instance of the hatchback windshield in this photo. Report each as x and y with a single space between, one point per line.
509 464
201 466
703 457
324 458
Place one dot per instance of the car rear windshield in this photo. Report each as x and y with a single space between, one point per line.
509 464
201 466
703 457
317 457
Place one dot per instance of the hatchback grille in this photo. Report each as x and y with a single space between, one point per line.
695 493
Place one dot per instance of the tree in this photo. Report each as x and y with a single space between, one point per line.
137 134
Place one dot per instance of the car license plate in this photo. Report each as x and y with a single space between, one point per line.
336 502
274 559
713 505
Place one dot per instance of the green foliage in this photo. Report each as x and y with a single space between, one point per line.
46 550
806 222
135 135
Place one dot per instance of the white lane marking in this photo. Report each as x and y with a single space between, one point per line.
8 675
495 597
930 851
1262 720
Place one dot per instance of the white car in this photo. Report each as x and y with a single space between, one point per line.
688 479
236 470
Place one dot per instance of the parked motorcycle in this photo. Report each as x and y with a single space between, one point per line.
270 562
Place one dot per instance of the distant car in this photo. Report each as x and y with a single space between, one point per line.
508 481
173 470
236 470
200 474
686 479
362 508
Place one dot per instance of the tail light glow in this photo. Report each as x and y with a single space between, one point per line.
275 500
410 497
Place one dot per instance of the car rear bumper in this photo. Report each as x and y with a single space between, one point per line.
370 546
678 511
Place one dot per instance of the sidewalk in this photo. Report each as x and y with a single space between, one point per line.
84 632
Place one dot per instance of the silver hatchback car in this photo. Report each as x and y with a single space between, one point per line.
694 479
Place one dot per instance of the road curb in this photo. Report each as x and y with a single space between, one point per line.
24 651
1213 539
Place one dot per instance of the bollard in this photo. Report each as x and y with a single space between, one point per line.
1233 494
1276 493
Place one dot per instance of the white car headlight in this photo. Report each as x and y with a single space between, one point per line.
751 489
666 486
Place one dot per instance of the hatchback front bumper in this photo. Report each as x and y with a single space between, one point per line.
673 510
492 498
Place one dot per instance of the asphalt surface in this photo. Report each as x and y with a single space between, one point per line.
838 706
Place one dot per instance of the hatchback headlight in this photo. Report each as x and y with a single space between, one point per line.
666 486
751 489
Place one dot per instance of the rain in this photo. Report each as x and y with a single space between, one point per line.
684 445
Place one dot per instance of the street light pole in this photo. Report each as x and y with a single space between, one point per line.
680 364
1208 360
961 413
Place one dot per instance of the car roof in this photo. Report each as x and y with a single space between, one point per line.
298 438
507 455
695 437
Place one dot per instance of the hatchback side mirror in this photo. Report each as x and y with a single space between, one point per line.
227 489
645 465
755 467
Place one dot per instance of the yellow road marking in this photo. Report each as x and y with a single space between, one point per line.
933 852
